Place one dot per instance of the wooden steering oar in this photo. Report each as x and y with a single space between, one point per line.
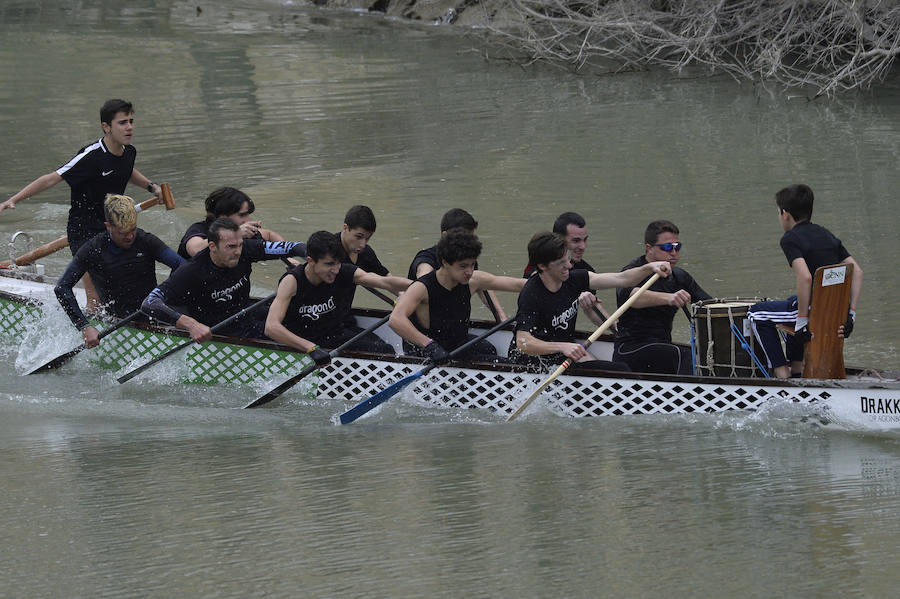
133 373
600 330
63 358
280 389
382 396
58 244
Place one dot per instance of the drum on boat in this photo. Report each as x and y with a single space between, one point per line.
722 331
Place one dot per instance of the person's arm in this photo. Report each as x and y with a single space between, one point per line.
651 298
804 286
423 268
531 345
40 184
195 244
155 306
390 283
66 297
270 235
171 259
406 305
856 283
143 182
275 328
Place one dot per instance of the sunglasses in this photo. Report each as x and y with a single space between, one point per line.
668 247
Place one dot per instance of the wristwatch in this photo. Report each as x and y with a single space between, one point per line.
150 186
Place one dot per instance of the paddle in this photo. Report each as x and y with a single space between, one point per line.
63 358
277 391
133 373
58 244
382 396
602 329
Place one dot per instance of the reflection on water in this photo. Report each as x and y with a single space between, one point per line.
146 488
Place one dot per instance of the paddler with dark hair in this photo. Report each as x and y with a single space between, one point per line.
103 167
308 312
236 205
122 264
548 304
433 315
644 336
215 283
427 260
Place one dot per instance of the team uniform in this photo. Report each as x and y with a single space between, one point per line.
551 316
92 173
644 335
818 247
200 229
122 276
316 312
449 311
580 265
369 262
212 293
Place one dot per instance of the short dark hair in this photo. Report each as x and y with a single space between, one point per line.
545 247
360 217
458 244
222 223
323 243
112 107
797 200
457 217
226 201
657 228
562 222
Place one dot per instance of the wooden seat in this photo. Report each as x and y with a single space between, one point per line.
823 356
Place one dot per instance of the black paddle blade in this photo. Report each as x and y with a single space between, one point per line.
57 361
280 389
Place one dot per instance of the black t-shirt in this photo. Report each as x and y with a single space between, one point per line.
122 277
654 323
200 229
316 311
367 261
427 256
92 173
551 316
815 244
212 293
448 312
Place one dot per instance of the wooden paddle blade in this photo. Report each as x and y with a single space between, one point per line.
167 198
824 353
39 252
367 405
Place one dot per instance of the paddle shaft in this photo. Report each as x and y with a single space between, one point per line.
382 396
63 358
130 375
58 244
280 389
594 336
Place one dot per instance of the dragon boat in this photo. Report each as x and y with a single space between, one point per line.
727 378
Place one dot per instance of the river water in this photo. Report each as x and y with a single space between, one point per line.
153 490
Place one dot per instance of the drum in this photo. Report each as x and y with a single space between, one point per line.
718 350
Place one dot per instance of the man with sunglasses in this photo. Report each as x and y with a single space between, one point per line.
644 336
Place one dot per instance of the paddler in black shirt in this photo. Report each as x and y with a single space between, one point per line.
309 309
122 264
215 284
548 304
433 315
644 336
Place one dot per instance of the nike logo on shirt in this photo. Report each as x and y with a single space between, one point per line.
105 173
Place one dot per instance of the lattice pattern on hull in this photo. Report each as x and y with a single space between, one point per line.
15 316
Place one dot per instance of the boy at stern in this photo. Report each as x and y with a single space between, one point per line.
806 246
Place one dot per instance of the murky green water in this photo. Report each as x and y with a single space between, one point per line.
149 490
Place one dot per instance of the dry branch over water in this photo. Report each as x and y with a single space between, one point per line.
828 46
